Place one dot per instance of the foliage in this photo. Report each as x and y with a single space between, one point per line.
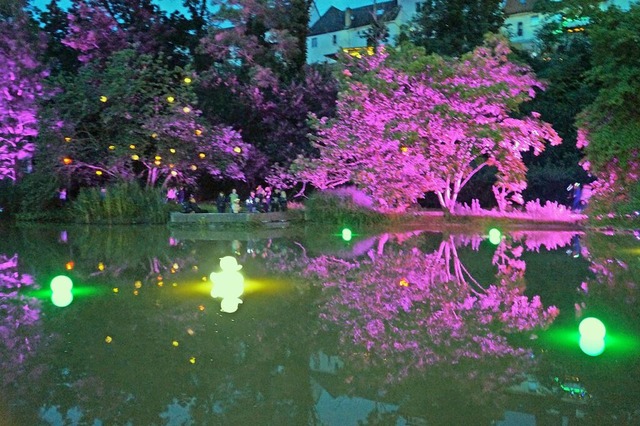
346 207
259 81
38 197
610 126
452 28
123 203
408 123
136 117
21 77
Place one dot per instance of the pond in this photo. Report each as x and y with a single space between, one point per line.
407 327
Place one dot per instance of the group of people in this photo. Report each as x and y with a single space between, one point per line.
261 200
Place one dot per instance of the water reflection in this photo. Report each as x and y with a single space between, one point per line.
397 328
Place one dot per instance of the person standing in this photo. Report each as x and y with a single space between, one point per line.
250 203
234 200
221 202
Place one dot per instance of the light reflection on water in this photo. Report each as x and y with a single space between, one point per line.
396 328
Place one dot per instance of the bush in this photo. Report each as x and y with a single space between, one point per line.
37 194
345 206
123 203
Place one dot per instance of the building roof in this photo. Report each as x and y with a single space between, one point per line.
334 19
512 7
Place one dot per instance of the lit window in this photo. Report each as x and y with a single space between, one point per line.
520 30
314 42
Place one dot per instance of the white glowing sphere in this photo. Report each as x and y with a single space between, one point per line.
495 236
591 346
61 298
61 284
230 304
592 328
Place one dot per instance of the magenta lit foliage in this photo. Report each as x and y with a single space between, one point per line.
400 133
18 314
98 29
21 79
404 309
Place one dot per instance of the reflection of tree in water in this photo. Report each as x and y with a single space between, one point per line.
400 310
18 317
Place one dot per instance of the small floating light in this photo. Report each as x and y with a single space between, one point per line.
346 234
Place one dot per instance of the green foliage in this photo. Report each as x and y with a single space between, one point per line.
124 203
613 120
454 27
38 198
337 208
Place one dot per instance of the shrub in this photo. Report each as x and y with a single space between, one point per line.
344 206
123 203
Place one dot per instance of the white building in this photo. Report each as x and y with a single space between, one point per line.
338 29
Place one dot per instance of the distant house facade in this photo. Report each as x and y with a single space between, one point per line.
346 29
338 29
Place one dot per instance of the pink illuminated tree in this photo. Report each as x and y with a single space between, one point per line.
408 123
21 84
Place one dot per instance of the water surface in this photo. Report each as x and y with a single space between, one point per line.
410 327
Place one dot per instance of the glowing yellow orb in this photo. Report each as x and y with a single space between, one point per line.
154 135
172 150
157 157
174 173
198 132
194 167
99 172
108 339
100 266
175 266
157 162
112 147
192 360
404 149
404 283
69 265
137 284
170 99
202 155
103 99
67 161
116 289
175 343
132 146
135 157
67 139
186 110
237 150
201 307
187 80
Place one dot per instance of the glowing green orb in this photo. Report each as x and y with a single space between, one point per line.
61 283
592 328
61 295
591 347
346 234
61 299
495 236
